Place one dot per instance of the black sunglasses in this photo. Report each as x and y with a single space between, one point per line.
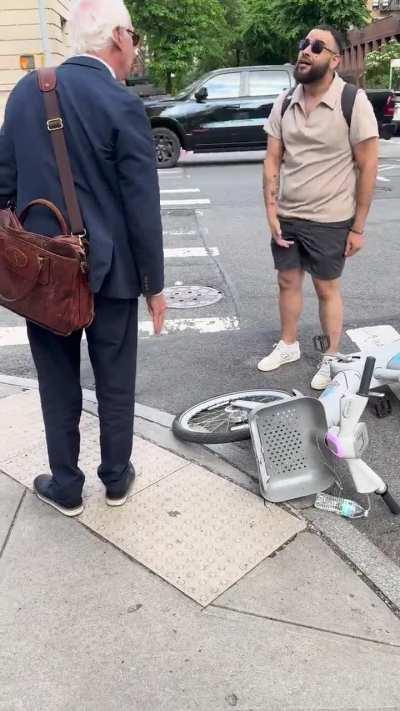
317 46
135 37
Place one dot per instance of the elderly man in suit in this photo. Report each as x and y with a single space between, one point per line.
113 163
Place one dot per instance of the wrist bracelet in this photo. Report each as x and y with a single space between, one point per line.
356 232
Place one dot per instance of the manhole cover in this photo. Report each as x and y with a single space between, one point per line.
191 297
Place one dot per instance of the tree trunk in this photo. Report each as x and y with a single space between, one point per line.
168 82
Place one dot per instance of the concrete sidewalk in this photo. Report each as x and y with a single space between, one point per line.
195 595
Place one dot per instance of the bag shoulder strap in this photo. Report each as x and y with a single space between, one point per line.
349 94
286 101
47 81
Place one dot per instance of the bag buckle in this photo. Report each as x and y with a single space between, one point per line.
80 236
84 245
55 124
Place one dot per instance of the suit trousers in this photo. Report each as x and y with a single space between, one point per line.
112 345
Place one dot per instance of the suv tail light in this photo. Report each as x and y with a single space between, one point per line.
390 106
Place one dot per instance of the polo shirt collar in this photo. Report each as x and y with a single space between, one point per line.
330 98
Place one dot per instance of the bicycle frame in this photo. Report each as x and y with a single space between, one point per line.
344 402
347 372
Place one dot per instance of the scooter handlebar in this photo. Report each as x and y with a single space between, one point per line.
366 377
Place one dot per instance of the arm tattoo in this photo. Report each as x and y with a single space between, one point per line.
271 188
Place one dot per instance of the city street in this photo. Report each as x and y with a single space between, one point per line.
147 568
215 236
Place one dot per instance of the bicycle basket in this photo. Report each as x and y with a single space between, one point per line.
289 443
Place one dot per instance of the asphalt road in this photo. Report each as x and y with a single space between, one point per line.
221 227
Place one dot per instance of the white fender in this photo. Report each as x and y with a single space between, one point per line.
366 481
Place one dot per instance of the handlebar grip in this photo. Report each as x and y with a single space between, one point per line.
367 376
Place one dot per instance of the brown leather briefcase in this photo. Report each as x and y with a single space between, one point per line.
45 279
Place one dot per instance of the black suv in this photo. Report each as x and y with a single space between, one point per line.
224 110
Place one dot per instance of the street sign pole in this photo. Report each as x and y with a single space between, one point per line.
44 33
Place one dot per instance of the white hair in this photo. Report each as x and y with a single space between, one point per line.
91 23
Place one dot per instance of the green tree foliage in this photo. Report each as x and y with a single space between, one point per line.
236 19
263 43
377 65
179 34
274 26
294 18
187 37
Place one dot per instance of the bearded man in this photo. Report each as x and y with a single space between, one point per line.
319 178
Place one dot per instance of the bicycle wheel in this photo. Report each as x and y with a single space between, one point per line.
219 420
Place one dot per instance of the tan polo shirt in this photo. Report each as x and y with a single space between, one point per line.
318 173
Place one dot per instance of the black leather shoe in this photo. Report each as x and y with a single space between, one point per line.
42 488
117 495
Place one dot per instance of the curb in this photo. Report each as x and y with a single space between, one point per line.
230 462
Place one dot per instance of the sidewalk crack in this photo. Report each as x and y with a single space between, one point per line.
12 524
302 625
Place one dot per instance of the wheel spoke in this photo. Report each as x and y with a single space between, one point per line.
216 418
210 423
219 420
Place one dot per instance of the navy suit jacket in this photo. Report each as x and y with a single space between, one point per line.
112 156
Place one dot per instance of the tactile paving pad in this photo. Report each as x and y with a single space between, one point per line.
196 530
23 453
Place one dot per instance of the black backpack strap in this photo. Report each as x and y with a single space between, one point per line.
349 94
286 101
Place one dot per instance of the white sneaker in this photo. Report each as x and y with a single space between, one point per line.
323 377
282 354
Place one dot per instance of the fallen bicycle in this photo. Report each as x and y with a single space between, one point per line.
298 439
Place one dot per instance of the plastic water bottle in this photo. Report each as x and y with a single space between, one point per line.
343 507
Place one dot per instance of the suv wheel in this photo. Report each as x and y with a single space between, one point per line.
168 147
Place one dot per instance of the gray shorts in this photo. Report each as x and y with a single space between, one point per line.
318 247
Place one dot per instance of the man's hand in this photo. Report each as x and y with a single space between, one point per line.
354 243
276 232
157 307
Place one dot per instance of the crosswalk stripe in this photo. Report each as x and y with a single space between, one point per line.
17 335
179 233
166 172
185 203
191 252
181 190
200 325
13 336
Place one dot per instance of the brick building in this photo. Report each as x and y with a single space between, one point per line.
384 27
32 33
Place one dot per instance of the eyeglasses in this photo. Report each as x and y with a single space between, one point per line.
317 46
135 37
